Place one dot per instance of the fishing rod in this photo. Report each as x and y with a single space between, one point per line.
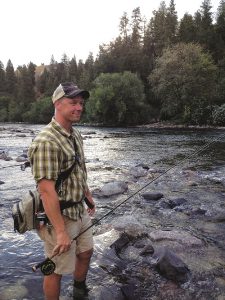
47 266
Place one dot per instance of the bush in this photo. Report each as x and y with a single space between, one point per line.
219 115
117 99
40 112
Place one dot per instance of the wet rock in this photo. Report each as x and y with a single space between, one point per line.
144 166
148 250
121 242
112 188
138 172
3 155
162 204
198 211
152 196
217 219
108 292
128 224
128 291
90 132
181 237
21 135
170 265
2 182
21 158
176 202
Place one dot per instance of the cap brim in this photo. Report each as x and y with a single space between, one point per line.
83 93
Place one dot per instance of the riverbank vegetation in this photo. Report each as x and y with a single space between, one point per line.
162 69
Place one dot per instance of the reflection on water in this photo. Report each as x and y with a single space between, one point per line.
110 153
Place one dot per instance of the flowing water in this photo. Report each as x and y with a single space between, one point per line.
110 154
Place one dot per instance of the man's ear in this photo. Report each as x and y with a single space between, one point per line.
58 103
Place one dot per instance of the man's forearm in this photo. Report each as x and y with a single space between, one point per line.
51 206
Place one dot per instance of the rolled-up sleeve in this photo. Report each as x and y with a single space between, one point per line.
45 160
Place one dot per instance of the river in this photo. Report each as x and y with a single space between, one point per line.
111 153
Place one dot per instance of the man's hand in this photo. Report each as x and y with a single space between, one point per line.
91 204
63 243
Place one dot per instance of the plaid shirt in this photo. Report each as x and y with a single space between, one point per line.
52 152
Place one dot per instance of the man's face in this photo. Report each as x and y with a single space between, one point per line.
71 109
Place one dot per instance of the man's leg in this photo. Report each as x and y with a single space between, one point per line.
51 286
82 265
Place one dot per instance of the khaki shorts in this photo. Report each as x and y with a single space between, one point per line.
65 263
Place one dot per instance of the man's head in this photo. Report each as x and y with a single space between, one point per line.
68 90
68 100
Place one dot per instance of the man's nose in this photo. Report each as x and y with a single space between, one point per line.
79 106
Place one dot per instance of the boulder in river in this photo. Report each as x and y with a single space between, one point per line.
111 188
138 171
170 265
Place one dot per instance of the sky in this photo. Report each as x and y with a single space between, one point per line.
34 30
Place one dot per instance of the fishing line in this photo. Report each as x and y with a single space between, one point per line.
47 266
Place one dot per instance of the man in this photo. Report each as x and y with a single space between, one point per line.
52 152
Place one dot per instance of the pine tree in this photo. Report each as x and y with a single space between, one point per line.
2 79
10 79
187 29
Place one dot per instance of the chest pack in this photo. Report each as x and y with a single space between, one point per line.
24 212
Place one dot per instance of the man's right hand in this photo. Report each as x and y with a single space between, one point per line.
63 243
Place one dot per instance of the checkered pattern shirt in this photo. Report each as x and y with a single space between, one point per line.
52 152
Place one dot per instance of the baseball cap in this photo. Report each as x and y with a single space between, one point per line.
68 90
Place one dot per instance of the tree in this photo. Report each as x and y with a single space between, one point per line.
10 79
117 99
2 78
184 80
73 70
220 31
26 93
187 29
41 111
171 22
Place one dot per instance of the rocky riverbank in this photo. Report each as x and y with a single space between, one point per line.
166 241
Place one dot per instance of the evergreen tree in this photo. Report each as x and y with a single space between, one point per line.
171 23
204 24
10 79
187 29
158 28
124 27
220 32
73 70
26 93
2 79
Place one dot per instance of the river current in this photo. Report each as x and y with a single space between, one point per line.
110 155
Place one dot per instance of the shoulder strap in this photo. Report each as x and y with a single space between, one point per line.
64 175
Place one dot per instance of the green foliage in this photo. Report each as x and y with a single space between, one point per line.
40 112
184 86
219 115
117 99
184 80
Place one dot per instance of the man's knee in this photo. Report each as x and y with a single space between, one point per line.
86 254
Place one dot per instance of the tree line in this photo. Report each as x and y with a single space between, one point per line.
157 69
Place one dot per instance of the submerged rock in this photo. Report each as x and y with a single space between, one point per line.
170 265
148 250
176 202
152 196
180 236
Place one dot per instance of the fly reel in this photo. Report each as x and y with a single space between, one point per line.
47 267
